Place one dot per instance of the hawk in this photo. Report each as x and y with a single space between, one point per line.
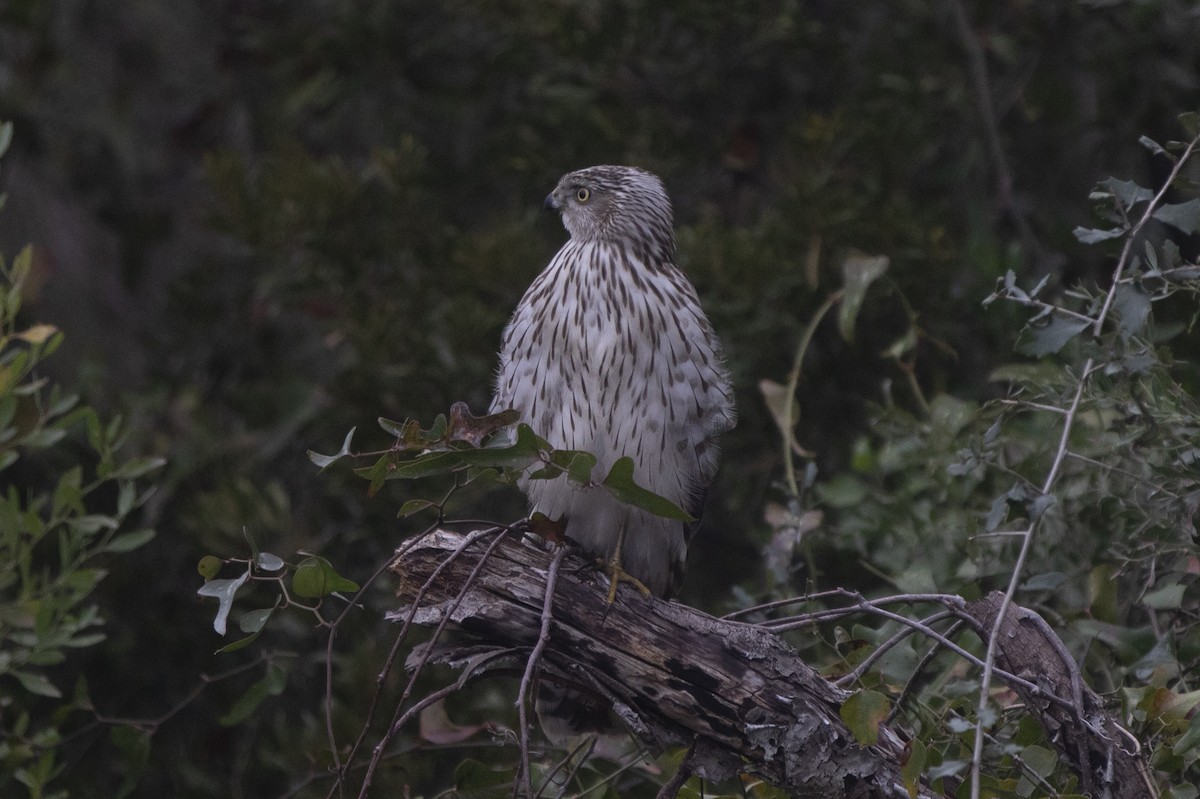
609 352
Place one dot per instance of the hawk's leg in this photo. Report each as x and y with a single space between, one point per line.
617 574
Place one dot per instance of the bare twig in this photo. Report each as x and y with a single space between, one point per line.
881 650
333 628
401 637
671 787
531 666
399 719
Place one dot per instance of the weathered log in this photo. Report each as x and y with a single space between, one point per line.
1106 757
676 676
735 692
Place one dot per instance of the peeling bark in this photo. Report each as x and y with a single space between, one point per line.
1104 754
679 677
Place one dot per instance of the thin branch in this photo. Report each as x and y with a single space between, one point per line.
672 786
152 725
788 423
590 743
395 648
398 719
989 661
926 659
1151 207
333 628
881 650
954 603
531 665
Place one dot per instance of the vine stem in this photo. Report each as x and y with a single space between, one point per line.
793 382
1060 455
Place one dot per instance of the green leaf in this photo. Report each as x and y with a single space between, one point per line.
620 484
6 134
1185 217
413 506
859 271
1151 145
315 577
209 566
863 712
323 461
241 643
1127 192
1167 597
36 684
477 780
913 767
223 591
1052 336
1133 309
522 453
1049 581
1094 236
271 684
138 467
252 621
1191 122
268 562
1040 759
127 542
1189 740
577 464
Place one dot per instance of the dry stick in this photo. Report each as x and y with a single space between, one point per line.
399 719
535 657
152 725
1060 456
881 650
866 606
948 600
400 638
989 660
926 659
672 786
333 627
569 757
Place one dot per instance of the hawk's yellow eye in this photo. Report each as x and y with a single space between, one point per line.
583 195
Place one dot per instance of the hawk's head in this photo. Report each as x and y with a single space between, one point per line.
623 205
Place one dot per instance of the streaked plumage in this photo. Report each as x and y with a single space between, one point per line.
610 352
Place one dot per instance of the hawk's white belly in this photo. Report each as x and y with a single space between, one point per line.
614 358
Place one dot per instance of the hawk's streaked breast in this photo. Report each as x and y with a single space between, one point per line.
610 352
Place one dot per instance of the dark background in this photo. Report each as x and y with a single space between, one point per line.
263 223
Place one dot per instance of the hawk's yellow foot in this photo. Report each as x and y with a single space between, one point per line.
617 575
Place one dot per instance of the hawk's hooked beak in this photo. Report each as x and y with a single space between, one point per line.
552 203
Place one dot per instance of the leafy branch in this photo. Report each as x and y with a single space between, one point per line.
1063 326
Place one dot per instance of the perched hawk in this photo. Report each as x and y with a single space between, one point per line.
609 352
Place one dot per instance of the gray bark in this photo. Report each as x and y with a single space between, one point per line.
678 677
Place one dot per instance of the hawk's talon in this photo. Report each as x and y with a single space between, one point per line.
617 575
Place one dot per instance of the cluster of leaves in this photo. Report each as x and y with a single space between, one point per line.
496 447
65 515
1076 489
467 447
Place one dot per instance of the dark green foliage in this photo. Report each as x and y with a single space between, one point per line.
69 503
264 224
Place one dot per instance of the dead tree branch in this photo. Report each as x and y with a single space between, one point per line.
1104 754
678 677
